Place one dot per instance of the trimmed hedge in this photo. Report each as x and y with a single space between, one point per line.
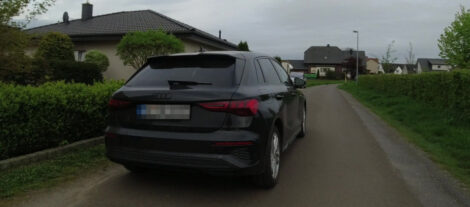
55 113
78 72
449 91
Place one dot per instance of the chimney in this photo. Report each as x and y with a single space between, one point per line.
65 17
327 45
220 34
87 11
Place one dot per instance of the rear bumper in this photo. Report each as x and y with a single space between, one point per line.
186 151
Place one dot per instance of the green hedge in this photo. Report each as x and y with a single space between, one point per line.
55 113
449 91
78 72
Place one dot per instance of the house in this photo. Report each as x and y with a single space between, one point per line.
104 32
321 59
297 66
372 65
403 68
287 66
428 64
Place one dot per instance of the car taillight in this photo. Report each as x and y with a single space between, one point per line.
241 108
117 104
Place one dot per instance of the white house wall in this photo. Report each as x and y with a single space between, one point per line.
441 67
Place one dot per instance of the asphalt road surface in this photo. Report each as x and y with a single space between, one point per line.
341 162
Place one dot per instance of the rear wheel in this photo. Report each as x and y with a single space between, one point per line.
303 125
269 177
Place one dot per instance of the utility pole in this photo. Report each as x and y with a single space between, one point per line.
357 57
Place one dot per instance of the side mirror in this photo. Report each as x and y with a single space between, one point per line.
299 83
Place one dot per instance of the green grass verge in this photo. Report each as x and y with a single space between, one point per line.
317 82
428 127
48 173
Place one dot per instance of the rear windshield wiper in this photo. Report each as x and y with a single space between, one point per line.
186 83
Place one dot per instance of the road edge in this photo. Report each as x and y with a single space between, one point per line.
48 153
432 185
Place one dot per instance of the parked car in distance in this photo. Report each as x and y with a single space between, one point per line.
229 113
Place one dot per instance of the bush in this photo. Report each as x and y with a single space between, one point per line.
447 90
77 72
55 46
332 75
98 58
37 118
135 47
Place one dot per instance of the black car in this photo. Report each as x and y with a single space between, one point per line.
218 112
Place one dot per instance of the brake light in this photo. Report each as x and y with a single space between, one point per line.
116 104
241 108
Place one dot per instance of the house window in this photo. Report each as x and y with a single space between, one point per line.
438 66
79 55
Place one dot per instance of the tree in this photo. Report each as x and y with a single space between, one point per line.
97 58
13 60
55 46
388 59
278 59
243 46
410 59
454 43
29 8
136 47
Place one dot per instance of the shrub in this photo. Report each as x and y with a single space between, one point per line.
36 118
78 72
98 58
446 90
135 47
55 46
330 75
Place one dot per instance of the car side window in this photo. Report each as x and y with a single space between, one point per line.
282 73
269 73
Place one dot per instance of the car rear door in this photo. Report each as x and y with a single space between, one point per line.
291 98
279 92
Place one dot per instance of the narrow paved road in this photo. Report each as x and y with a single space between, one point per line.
339 163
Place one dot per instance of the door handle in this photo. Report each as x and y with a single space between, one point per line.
279 96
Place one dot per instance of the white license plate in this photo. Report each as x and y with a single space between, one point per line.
154 111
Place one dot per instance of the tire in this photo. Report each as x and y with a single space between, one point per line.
303 125
269 177
134 169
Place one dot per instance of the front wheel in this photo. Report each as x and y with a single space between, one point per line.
268 179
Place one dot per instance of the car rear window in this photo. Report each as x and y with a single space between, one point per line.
196 70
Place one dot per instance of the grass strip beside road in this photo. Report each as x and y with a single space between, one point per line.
51 172
317 82
425 126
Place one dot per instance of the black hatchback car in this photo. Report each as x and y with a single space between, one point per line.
219 112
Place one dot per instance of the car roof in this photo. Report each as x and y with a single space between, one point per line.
236 54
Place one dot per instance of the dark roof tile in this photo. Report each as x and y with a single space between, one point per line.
121 23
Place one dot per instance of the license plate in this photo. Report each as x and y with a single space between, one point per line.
153 111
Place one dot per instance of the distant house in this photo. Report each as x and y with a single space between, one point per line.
287 66
428 65
373 65
331 58
104 32
297 66
403 68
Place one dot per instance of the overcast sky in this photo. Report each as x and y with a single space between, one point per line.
288 27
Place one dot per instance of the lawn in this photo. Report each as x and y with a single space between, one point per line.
51 172
431 129
317 82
